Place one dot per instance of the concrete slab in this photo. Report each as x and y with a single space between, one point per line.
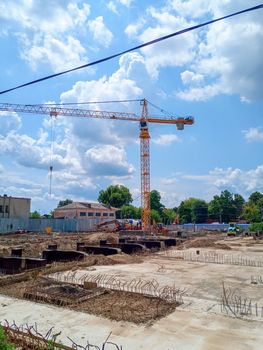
196 325
182 330
201 280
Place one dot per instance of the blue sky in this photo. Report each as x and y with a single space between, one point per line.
214 74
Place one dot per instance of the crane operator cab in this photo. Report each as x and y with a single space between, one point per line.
143 124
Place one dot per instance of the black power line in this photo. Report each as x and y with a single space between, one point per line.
133 48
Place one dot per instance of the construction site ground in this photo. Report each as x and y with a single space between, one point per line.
198 323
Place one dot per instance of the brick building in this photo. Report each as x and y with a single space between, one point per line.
83 210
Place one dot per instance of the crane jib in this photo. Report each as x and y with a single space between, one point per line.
84 113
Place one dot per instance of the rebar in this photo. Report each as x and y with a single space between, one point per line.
238 306
213 257
136 285
29 337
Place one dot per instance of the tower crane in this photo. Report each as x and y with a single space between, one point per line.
143 120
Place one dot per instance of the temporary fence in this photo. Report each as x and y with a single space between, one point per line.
136 285
194 227
213 257
30 337
9 225
13 225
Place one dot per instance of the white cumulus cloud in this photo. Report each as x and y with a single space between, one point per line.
230 54
253 134
58 16
47 34
173 52
189 77
233 179
166 139
66 53
8 122
101 34
108 160
118 86
132 29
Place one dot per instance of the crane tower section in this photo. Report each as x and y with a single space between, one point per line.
145 168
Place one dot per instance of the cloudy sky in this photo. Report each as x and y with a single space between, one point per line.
214 74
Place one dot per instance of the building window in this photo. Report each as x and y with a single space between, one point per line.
105 214
90 214
82 213
1 209
7 209
97 214
111 214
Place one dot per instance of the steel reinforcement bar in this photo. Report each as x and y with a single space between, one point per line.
30 338
136 285
213 257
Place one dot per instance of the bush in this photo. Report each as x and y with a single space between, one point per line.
256 226
4 344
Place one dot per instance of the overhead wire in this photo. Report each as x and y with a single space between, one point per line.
133 48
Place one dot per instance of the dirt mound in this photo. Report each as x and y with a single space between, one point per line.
94 238
125 259
204 242
33 244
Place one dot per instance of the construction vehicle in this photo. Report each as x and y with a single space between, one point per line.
233 229
120 225
162 229
58 110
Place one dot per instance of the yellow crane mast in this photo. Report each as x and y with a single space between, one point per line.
143 120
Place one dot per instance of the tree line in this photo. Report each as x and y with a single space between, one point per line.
223 208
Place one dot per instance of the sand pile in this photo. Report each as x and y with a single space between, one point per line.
204 242
94 238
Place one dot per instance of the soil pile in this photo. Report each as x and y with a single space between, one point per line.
94 238
204 242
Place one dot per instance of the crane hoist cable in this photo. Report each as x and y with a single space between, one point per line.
51 153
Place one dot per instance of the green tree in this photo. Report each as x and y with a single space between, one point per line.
252 212
168 216
130 212
115 196
35 215
239 203
155 216
199 211
255 198
225 208
155 201
184 212
64 202
193 210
